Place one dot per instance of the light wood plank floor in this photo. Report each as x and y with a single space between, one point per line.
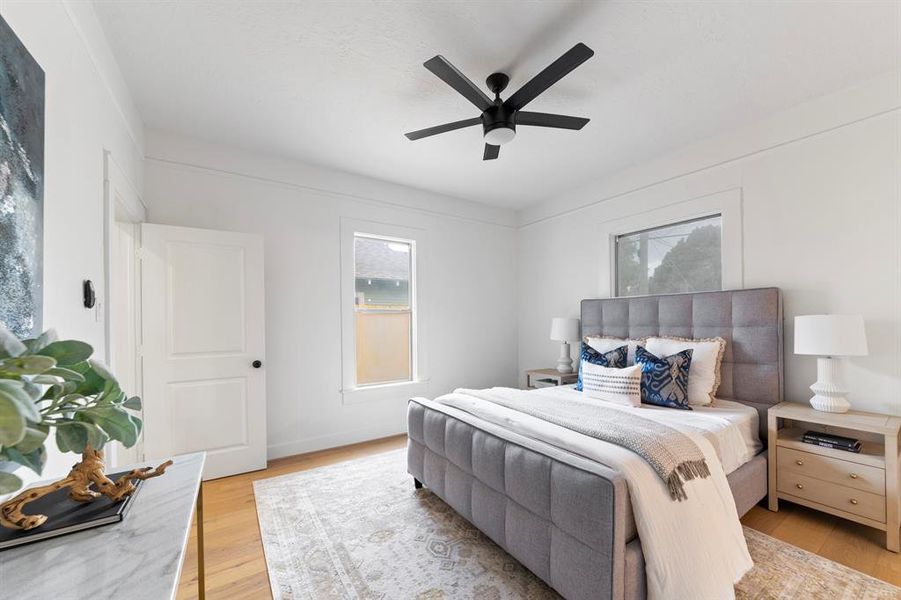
236 567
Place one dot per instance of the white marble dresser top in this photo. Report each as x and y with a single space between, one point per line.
137 559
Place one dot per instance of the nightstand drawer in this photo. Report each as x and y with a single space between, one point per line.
853 475
864 504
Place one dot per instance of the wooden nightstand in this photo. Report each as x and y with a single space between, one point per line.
860 487
534 375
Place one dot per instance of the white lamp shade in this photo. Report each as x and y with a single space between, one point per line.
564 330
830 335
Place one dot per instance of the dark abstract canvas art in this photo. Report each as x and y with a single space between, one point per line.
21 185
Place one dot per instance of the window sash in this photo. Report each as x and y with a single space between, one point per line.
618 240
410 336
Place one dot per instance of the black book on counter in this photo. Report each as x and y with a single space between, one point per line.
67 516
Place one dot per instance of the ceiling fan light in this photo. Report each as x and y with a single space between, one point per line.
499 136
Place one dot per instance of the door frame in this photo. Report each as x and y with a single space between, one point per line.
122 203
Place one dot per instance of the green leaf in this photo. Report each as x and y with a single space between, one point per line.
12 421
34 438
138 423
26 365
116 422
45 379
96 437
93 383
34 460
66 374
9 344
15 391
9 483
32 389
103 371
73 436
134 403
68 352
35 344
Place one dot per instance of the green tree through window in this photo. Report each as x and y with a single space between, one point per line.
682 257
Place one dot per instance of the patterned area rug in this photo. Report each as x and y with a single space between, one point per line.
359 530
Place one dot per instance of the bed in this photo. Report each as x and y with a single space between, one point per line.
566 516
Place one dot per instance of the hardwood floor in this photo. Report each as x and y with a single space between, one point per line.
236 567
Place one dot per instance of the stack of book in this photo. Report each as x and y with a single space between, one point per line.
829 440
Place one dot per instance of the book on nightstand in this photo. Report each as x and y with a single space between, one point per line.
68 516
828 440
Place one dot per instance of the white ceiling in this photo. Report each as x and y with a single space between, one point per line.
338 83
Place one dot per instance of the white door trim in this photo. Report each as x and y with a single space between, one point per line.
121 203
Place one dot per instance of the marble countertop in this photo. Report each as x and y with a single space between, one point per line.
137 559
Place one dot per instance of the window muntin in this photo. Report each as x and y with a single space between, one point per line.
383 309
679 257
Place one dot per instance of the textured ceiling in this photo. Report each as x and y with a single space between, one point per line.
338 83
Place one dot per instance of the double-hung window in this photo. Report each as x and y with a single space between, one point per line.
382 328
383 309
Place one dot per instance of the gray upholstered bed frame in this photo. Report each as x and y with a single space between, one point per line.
568 521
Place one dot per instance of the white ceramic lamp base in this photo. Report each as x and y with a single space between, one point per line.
829 393
565 362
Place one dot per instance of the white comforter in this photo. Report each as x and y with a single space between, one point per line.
694 549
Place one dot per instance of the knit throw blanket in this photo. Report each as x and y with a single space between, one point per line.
671 453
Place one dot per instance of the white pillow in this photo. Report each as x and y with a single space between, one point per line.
704 372
606 344
620 386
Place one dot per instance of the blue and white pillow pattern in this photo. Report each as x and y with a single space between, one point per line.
664 381
616 359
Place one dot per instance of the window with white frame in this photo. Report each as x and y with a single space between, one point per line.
383 283
685 256
383 309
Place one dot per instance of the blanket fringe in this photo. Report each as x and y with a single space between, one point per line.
685 471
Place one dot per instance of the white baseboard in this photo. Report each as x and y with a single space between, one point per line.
332 440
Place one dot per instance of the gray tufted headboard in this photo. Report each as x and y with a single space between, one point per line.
749 320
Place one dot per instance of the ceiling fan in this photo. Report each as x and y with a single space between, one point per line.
500 118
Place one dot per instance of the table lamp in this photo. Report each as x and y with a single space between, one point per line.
564 330
828 336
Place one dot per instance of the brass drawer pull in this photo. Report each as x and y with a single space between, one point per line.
853 475
853 500
799 462
799 486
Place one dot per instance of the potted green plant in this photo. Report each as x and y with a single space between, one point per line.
55 387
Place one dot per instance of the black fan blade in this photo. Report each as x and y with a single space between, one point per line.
554 72
491 152
548 120
450 75
416 135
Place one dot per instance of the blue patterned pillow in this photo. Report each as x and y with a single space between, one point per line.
615 358
664 381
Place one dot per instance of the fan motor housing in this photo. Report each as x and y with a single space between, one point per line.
498 116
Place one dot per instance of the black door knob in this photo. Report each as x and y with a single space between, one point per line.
257 364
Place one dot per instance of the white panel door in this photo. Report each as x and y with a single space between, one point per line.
202 351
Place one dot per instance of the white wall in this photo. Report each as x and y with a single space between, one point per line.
821 214
88 110
471 261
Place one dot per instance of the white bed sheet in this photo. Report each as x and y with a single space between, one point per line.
692 549
731 427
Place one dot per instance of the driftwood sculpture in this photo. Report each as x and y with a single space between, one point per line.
87 473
